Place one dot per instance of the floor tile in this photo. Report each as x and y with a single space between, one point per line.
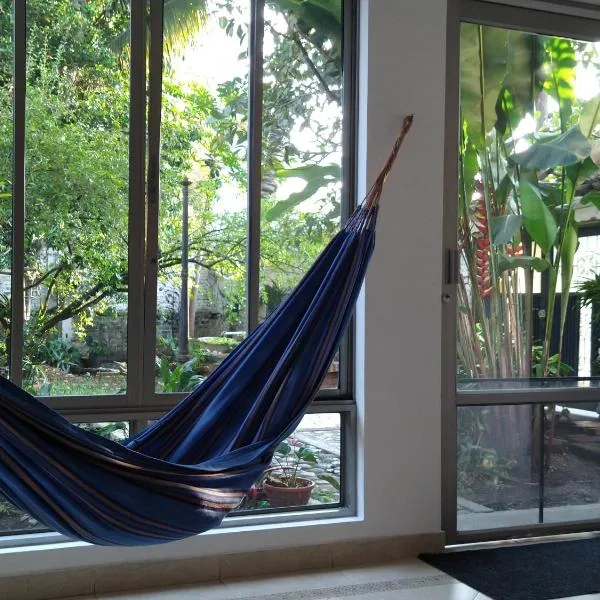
406 580
331 579
214 591
454 591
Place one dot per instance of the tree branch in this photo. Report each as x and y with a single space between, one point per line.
45 276
311 65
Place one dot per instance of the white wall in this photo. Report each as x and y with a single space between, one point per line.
403 69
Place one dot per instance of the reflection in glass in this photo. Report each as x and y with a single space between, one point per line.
572 463
546 470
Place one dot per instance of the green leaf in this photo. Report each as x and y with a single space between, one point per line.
567 149
483 51
284 448
503 190
592 198
507 262
537 218
331 480
316 177
580 172
590 116
309 172
561 82
568 248
504 228
307 455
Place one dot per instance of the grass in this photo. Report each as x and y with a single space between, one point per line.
65 384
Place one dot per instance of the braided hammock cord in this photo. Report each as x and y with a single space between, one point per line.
374 194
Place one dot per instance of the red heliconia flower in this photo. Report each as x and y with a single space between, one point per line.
515 250
482 244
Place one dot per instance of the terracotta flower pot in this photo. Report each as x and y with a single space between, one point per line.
280 496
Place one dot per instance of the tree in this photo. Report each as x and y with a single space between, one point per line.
77 161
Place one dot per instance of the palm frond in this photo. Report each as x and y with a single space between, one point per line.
183 19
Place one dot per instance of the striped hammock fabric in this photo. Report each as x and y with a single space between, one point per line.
183 474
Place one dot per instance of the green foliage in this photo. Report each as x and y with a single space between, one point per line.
537 218
175 377
478 462
554 367
77 184
316 177
116 431
288 458
59 353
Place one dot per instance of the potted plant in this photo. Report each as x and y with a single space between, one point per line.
282 484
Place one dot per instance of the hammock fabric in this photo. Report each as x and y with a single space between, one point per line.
183 474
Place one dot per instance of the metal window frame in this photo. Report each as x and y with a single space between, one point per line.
144 205
17 295
534 20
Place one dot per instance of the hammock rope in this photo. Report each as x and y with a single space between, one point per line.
184 473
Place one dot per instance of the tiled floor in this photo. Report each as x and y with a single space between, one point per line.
407 580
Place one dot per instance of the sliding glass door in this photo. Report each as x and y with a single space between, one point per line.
522 287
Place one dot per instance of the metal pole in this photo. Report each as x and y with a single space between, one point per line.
18 199
183 311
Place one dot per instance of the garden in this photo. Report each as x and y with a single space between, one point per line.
528 269
76 230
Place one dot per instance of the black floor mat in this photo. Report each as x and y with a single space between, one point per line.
535 572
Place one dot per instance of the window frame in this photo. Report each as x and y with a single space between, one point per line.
579 22
143 206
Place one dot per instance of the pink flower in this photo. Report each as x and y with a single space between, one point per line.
253 493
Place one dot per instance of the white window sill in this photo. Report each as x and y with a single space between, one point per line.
38 544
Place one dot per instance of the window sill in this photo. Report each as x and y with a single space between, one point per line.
44 541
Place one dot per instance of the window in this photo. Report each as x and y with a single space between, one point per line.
157 203
524 274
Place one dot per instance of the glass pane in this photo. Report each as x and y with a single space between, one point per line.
6 137
201 313
572 463
302 146
76 198
527 210
305 470
12 519
498 484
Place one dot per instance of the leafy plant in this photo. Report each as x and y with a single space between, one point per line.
116 431
60 353
177 377
526 145
288 458
554 366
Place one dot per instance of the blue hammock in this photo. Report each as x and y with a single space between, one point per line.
183 474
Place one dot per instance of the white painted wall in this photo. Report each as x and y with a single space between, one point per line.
403 69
